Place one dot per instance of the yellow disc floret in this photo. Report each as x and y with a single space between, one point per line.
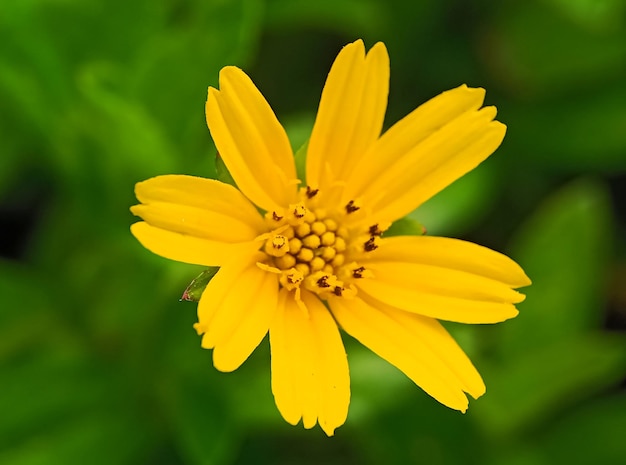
315 248
277 245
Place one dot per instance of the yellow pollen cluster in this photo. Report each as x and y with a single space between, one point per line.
310 248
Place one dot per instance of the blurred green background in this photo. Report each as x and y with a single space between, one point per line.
99 363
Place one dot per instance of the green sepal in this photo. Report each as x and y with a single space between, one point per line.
222 173
406 227
300 160
197 286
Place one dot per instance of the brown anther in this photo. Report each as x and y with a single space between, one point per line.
276 246
351 207
322 282
358 272
370 245
310 193
375 230
337 291
275 216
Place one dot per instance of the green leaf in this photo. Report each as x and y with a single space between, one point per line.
75 383
300 160
176 66
196 287
203 426
383 407
461 205
405 227
116 125
98 438
551 356
560 55
593 14
17 328
221 171
600 423
348 15
376 384
565 249
576 141
549 378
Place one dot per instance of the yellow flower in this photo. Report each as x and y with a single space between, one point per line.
315 258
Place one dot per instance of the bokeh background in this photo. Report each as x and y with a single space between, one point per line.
99 363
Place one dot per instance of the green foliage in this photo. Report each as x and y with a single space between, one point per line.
300 160
460 206
221 171
194 291
99 361
406 227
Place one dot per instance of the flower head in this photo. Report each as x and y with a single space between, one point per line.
302 257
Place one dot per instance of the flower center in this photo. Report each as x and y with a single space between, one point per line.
312 247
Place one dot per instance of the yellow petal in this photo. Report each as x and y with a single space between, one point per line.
428 279
418 346
235 312
189 249
218 289
285 378
449 253
443 278
413 162
205 194
251 141
350 115
195 222
438 306
411 130
310 378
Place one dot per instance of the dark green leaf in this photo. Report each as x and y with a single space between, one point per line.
549 378
599 425
196 287
203 423
564 248
98 438
405 227
221 171
559 55
460 205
